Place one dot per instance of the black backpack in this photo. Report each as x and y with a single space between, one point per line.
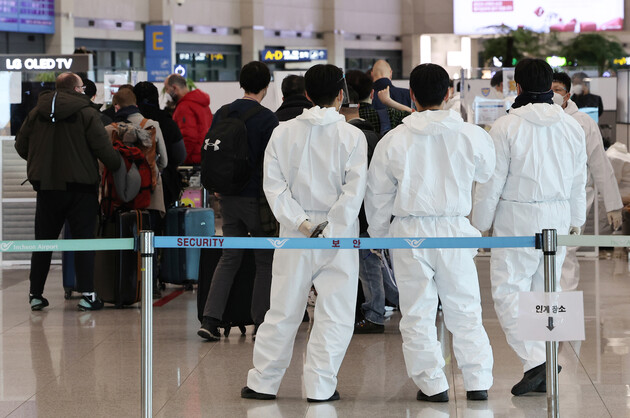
225 165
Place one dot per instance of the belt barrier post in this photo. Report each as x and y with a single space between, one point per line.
146 253
550 246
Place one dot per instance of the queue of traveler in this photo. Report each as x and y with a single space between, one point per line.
397 164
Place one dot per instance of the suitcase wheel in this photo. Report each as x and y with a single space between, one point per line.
226 331
242 328
67 294
162 286
188 286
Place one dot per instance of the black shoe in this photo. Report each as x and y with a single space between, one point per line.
531 380
477 395
38 302
366 327
90 303
333 397
542 388
248 393
438 397
210 329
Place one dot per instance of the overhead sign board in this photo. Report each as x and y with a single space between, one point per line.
293 55
553 316
157 46
30 16
74 63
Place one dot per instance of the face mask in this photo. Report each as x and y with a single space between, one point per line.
168 97
558 99
578 89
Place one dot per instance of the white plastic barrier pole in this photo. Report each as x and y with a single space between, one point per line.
146 253
549 247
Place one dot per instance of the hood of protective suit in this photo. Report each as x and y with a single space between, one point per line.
320 115
430 122
571 107
541 114
66 104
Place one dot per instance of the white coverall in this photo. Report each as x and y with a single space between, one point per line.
539 183
600 172
619 159
315 168
422 173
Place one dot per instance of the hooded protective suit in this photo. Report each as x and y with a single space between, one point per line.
600 173
422 173
315 168
539 182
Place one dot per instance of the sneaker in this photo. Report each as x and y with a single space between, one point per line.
438 397
532 379
210 329
37 302
366 327
248 393
333 397
90 303
477 395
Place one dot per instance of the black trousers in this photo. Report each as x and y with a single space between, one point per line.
80 209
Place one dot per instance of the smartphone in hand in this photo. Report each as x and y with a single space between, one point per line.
318 229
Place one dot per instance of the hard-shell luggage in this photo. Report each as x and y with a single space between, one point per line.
117 274
181 265
238 308
67 266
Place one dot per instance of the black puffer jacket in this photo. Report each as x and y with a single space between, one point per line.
61 140
292 107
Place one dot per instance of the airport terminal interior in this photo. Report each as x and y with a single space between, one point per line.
64 363
61 362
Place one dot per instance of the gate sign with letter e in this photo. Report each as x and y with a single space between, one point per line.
554 316
157 46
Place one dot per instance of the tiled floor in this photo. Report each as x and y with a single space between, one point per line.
65 363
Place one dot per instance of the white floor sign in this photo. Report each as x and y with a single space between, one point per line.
557 316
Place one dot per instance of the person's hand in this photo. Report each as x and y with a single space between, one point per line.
575 230
384 97
615 219
306 228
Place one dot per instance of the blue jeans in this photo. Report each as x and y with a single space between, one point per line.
376 286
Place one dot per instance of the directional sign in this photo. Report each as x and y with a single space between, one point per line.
555 316
157 46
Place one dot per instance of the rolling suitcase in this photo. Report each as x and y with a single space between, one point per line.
117 274
181 265
238 308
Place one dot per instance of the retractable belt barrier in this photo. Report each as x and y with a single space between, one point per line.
146 243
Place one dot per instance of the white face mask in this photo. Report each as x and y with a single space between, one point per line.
578 89
558 99
168 97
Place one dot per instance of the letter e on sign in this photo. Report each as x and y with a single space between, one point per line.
157 39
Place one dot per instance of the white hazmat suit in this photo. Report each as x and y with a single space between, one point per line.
422 173
315 168
600 173
539 183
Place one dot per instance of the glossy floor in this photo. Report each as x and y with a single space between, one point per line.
65 363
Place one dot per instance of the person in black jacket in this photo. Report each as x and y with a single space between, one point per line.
376 286
147 98
582 95
293 99
66 182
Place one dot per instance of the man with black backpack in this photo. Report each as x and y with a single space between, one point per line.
231 167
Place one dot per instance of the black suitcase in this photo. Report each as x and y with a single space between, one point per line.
238 308
117 274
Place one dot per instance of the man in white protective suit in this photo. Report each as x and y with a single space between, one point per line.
600 173
422 174
315 170
539 183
